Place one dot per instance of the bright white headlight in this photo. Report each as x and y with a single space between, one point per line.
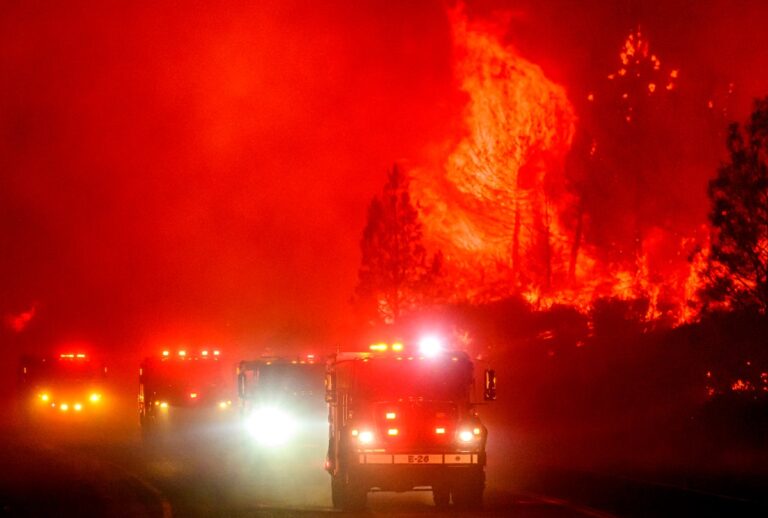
430 346
271 426
466 436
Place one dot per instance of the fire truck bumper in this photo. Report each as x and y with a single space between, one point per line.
402 472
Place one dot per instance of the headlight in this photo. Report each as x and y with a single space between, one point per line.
466 436
271 426
363 436
95 397
430 346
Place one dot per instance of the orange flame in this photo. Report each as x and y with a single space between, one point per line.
490 209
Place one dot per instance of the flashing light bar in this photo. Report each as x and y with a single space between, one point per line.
428 346
73 355
183 353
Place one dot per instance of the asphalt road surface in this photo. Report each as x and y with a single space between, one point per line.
84 469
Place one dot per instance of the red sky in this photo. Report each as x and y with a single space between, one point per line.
203 168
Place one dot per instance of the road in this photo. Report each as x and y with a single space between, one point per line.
107 470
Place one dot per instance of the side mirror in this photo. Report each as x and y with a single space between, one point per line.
490 385
330 387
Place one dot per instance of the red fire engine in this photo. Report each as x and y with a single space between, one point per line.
70 383
402 420
184 380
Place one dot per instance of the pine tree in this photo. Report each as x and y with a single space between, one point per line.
738 269
394 274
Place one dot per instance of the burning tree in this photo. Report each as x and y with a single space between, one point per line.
738 266
624 163
395 274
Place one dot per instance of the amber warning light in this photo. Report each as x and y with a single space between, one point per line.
81 356
381 347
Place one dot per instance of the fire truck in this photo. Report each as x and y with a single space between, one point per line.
405 420
66 384
184 383
282 404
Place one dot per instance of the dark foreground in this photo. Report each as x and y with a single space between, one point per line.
108 470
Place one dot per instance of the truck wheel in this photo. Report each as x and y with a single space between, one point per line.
347 495
441 495
338 492
468 493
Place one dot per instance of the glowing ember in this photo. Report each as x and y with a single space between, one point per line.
742 386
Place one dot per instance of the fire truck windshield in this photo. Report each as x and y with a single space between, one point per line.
385 379
205 375
66 370
291 378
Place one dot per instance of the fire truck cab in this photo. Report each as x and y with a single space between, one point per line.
192 383
282 404
402 421
71 383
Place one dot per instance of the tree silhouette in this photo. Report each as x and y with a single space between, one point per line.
738 268
394 274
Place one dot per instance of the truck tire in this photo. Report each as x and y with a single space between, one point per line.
346 495
337 492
